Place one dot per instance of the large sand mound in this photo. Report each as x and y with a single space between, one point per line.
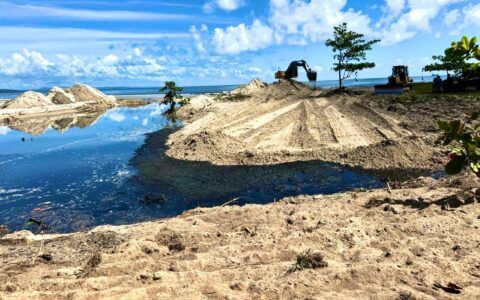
290 121
58 96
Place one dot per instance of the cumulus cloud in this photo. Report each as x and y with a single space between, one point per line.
25 62
312 21
416 17
300 22
32 63
236 39
472 15
198 37
307 22
395 6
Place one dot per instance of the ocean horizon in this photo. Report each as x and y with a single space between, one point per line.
6 94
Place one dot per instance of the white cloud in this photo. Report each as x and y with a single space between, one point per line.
10 34
137 66
198 38
236 39
145 122
227 5
472 15
26 62
312 21
396 6
451 17
301 22
10 10
416 18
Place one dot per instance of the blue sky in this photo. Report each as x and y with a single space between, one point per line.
210 42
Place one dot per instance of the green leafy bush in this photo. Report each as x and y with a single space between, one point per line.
172 96
466 138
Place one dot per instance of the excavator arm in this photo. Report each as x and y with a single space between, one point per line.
292 71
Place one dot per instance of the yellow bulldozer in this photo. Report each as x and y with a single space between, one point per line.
397 82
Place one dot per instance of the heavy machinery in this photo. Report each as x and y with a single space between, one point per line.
467 80
397 82
292 71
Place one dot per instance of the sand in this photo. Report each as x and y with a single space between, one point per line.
373 244
35 112
289 121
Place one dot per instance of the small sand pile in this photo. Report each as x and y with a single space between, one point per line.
250 89
27 100
59 96
83 92
213 145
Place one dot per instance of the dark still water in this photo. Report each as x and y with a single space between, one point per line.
75 172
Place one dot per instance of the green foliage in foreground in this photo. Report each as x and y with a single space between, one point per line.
173 96
466 137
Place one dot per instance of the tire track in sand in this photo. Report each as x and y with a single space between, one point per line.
344 130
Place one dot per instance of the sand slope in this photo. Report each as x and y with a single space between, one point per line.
376 244
289 121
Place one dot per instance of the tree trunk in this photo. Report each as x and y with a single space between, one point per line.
340 70
340 78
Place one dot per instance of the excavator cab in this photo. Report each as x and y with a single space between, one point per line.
292 71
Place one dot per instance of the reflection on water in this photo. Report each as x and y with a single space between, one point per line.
76 173
62 123
85 170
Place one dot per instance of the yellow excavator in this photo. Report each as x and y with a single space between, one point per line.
397 82
292 71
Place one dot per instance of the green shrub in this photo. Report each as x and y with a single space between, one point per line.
466 137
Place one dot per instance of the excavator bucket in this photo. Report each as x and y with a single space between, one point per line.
312 75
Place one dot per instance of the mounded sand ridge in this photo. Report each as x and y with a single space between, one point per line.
290 121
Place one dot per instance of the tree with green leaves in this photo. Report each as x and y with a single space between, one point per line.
350 52
466 151
172 96
457 58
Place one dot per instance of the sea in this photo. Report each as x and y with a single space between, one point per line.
146 92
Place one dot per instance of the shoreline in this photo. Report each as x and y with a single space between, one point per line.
389 245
